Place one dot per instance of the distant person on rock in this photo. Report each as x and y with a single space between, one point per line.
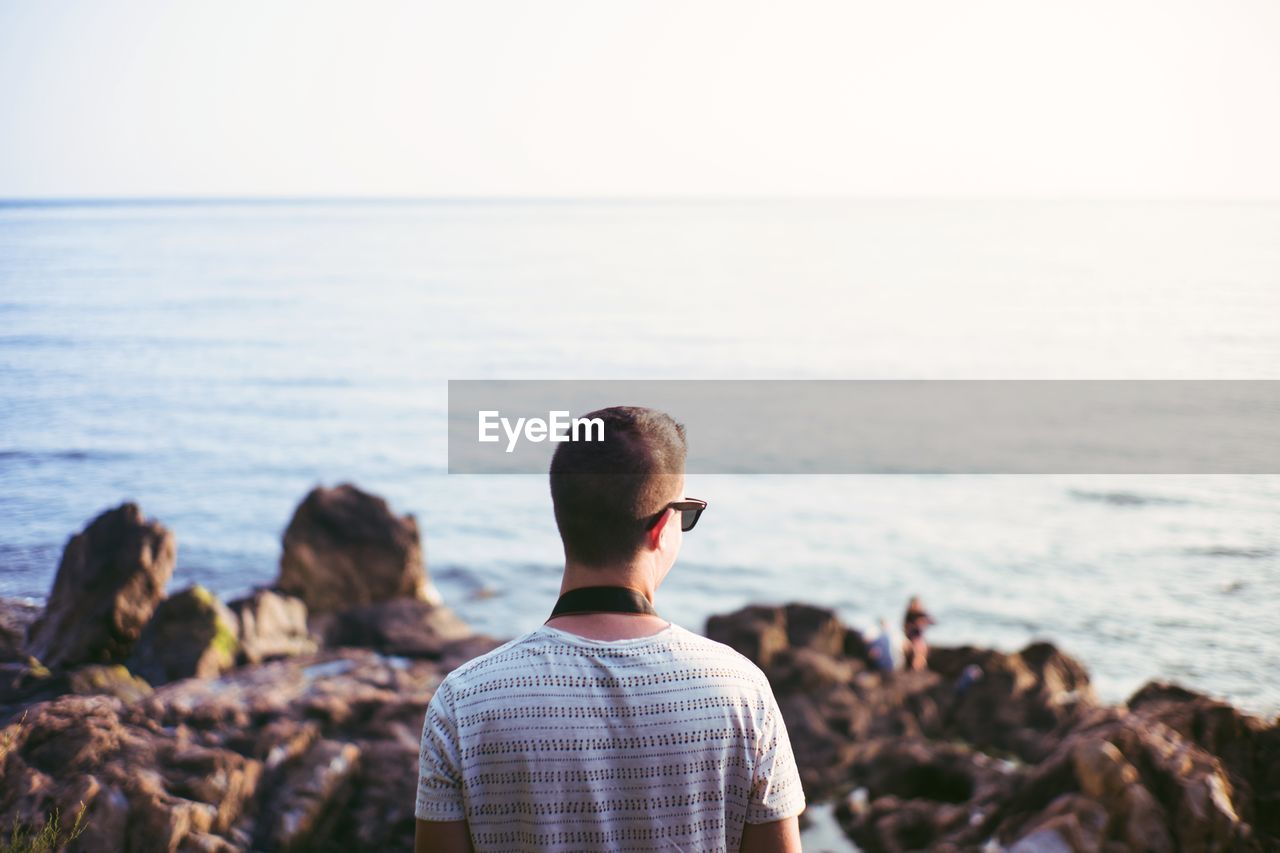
886 648
914 623
610 728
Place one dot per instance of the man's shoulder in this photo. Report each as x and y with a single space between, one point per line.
477 665
709 649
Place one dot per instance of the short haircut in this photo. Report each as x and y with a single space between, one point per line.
605 492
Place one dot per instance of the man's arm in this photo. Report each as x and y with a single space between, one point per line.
440 794
452 836
779 836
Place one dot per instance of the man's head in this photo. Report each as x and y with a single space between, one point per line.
606 493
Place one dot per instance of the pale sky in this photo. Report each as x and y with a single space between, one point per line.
640 97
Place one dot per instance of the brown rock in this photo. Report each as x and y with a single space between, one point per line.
807 670
815 628
16 617
893 825
284 740
402 626
1022 703
1247 747
261 758
1107 777
70 732
111 578
24 684
1175 771
224 779
1102 771
192 634
203 842
385 792
928 770
756 632
272 625
311 797
160 823
1079 820
345 548
106 822
111 680
1143 823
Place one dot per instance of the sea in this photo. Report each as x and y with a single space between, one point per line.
213 360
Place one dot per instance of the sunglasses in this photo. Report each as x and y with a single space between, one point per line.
690 510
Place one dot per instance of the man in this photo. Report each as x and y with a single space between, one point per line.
609 728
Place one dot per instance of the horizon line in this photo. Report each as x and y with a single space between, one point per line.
373 199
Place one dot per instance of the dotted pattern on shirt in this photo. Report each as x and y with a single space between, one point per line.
553 742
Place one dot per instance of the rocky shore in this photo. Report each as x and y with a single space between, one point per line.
289 719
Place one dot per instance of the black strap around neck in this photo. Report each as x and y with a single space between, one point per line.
602 599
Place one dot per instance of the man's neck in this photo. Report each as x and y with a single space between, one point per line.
631 575
609 626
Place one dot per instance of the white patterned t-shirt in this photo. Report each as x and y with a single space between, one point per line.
559 742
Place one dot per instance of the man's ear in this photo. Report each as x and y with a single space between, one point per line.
655 534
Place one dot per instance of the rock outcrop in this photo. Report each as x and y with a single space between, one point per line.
15 618
310 753
272 625
403 626
1008 748
311 743
191 635
345 548
111 578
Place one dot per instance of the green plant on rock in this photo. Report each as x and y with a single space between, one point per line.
48 838
51 836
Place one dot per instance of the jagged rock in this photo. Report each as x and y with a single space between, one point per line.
192 634
402 626
807 670
1177 770
756 632
23 684
945 786
930 770
111 680
1249 748
311 794
1114 785
389 768
345 548
893 824
815 628
106 820
1071 823
1159 792
262 758
202 842
272 625
15 618
1021 703
111 578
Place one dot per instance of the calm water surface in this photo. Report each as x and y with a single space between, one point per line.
214 361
